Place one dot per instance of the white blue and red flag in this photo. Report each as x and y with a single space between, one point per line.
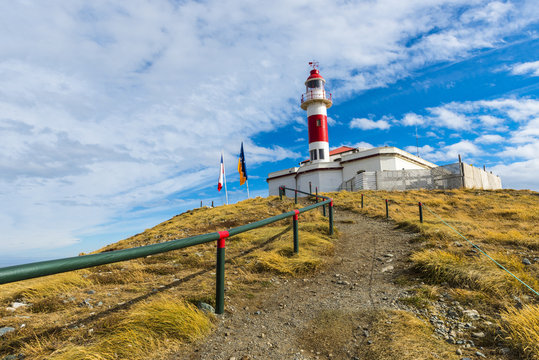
221 175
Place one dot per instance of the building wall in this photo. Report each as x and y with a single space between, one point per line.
351 168
442 177
475 178
287 181
400 164
325 180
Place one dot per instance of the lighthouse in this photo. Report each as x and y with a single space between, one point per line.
316 102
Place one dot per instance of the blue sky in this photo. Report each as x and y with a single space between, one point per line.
113 114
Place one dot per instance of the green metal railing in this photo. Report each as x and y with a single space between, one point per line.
43 268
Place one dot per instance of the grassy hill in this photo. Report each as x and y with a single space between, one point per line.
147 306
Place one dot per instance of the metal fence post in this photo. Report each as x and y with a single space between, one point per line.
220 274
317 194
362 201
280 193
387 210
296 196
420 212
331 217
295 230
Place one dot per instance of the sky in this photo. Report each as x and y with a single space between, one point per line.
113 114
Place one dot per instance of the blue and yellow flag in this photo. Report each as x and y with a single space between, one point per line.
241 167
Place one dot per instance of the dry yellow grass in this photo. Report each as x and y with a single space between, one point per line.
392 335
119 311
503 223
522 327
162 323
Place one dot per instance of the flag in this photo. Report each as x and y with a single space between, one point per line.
221 175
241 167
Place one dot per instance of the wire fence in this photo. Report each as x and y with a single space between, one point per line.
422 205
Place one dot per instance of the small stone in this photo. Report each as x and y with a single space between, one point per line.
466 358
472 314
262 336
232 358
457 244
258 312
387 268
388 255
458 352
5 330
90 292
206 307
525 261
480 354
478 335
17 305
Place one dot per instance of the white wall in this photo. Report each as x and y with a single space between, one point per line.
350 169
274 184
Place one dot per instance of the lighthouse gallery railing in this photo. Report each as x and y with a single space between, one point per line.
315 95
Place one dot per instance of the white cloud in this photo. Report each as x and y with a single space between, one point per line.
528 68
444 117
106 107
363 145
489 120
411 119
449 153
366 124
489 139
519 175
331 121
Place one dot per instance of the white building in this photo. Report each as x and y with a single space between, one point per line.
344 164
387 168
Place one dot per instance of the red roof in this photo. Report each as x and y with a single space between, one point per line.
314 75
340 150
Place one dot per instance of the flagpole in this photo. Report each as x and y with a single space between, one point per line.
224 178
247 182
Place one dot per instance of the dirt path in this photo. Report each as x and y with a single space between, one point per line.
369 256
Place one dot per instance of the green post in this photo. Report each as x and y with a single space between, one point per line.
317 194
284 191
362 201
331 217
296 196
324 210
420 213
387 210
280 193
220 274
295 230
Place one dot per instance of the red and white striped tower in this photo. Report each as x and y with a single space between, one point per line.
316 102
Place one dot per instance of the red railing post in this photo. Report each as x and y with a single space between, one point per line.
220 274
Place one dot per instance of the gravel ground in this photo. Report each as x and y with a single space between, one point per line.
369 255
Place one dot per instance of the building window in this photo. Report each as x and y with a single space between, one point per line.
313 154
321 152
317 122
